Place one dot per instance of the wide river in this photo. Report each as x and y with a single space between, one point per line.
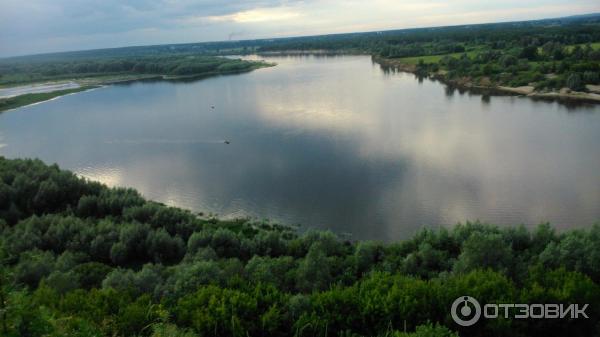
326 142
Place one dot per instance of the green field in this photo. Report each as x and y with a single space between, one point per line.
595 46
436 58
432 58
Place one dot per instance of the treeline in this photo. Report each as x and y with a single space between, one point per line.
442 40
549 66
80 259
547 57
21 72
579 29
548 54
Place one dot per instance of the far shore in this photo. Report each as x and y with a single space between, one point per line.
565 94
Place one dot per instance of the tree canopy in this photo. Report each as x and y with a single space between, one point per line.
81 259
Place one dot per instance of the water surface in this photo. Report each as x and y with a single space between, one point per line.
326 142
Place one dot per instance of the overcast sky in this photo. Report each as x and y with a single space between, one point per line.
38 26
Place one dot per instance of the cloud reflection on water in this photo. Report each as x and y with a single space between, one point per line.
331 142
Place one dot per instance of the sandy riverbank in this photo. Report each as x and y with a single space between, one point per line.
34 93
593 96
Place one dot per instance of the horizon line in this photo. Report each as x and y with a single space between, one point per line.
298 36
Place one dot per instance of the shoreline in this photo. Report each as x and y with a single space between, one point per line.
310 52
15 102
90 83
565 96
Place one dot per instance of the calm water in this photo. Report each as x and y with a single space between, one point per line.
328 142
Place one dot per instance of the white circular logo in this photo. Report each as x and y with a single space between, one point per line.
469 307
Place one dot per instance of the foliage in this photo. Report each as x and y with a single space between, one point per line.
81 259
15 71
548 54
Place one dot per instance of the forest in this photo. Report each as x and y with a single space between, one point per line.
17 71
546 54
78 258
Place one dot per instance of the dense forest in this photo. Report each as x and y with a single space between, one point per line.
81 259
546 54
18 71
450 39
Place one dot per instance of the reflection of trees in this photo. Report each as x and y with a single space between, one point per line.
449 90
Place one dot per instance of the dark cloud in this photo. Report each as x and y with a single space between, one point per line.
68 17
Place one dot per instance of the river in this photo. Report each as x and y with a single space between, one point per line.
329 142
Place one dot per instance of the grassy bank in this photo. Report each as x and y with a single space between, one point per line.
27 99
80 259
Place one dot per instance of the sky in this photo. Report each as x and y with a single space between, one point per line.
40 26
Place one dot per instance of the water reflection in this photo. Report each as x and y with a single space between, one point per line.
328 141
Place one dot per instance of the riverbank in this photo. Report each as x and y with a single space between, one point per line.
311 52
34 98
486 86
54 88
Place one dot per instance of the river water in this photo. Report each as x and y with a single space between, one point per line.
326 142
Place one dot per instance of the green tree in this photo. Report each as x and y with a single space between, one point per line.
574 82
482 251
314 271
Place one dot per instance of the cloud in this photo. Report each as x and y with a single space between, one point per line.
258 15
36 26
246 16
